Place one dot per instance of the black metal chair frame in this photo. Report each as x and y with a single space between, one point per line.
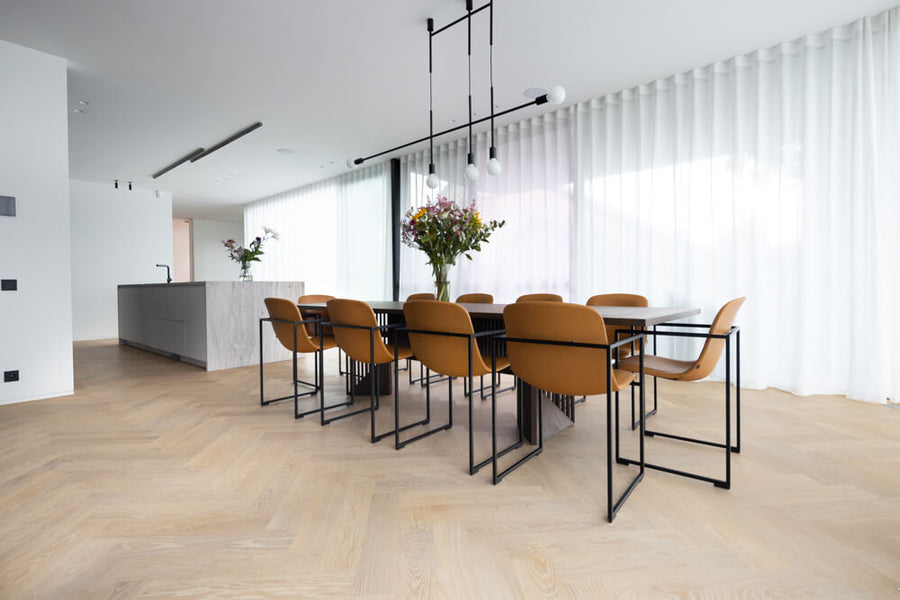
727 446
318 359
473 468
612 507
374 386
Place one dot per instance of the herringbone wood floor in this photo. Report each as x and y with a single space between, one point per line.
158 480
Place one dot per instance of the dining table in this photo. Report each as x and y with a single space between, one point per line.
487 317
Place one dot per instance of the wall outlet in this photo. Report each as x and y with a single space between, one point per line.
10 376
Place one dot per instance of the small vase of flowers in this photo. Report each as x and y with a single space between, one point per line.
249 254
444 232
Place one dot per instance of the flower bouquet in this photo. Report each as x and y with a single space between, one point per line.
249 254
444 232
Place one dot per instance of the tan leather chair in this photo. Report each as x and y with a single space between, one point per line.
718 338
475 298
563 349
478 298
421 378
624 300
322 314
290 329
540 297
443 339
359 335
618 300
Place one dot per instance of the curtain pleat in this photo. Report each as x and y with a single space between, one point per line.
772 175
334 235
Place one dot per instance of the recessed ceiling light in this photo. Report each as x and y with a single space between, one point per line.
534 92
78 110
285 151
84 103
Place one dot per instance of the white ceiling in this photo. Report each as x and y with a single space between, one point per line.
346 78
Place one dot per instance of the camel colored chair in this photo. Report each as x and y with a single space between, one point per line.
541 297
421 378
322 314
562 348
479 298
718 338
443 339
291 330
475 298
359 335
612 331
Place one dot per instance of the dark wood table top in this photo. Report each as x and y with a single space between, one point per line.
631 316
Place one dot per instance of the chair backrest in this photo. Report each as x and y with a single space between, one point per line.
712 349
444 354
540 298
420 296
558 369
314 314
286 310
356 342
617 300
475 298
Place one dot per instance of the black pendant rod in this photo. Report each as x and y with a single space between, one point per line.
542 99
430 102
493 150
469 9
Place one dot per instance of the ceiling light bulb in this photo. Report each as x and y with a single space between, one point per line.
494 167
471 172
557 94
351 164
432 181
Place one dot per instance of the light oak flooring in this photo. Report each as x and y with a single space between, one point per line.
159 480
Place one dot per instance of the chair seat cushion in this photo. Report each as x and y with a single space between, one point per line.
327 342
658 366
403 352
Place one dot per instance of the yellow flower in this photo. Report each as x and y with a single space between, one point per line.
478 220
421 213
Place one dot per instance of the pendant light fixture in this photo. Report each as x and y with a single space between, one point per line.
432 180
493 166
471 170
556 95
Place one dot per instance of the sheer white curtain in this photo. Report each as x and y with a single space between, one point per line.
533 251
335 235
772 175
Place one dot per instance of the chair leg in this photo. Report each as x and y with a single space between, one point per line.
720 483
401 444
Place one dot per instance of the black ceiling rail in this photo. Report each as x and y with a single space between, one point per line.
201 152
227 141
180 161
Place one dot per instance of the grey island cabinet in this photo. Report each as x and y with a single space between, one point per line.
211 324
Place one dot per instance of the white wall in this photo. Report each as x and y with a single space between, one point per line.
118 236
36 322
211 262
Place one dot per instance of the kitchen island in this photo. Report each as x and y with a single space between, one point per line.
211 324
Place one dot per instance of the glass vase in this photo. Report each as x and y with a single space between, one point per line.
245 272
441 283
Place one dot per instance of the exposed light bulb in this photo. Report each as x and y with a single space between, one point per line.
557 94
351 164
432 181
494 167
471 172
